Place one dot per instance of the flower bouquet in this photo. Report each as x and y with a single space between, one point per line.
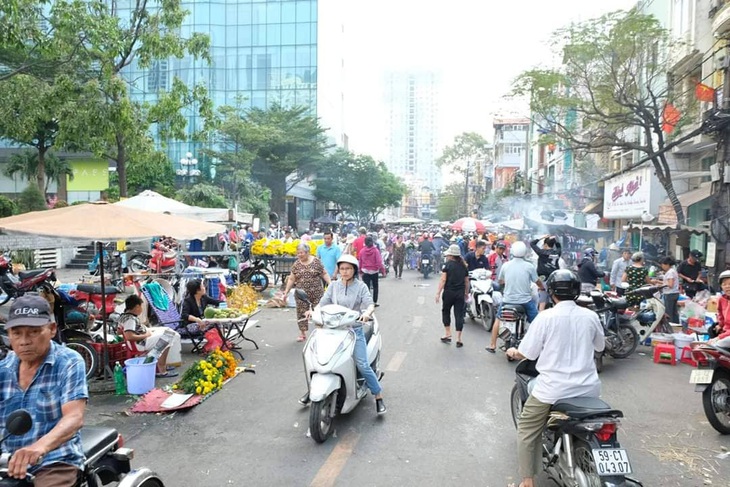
276 247
207 375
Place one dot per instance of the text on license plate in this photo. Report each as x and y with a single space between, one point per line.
701 376
426 261
612 461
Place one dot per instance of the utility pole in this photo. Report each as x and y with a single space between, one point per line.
466 188
720 223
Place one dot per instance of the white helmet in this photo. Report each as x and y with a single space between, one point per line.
723 275
519 250
348 259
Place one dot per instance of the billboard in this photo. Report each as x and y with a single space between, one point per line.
89 175
627 195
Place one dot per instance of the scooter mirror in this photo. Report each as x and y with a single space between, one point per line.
19 422
624 285
301 295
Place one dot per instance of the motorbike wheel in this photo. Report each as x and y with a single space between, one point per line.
515 405
628 338
87 352
586 474
320 419
259 281
137 265
152 483
425 274
716 402
6 297
487 316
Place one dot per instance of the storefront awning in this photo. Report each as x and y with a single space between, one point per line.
667 215
661 228
594 207
562 228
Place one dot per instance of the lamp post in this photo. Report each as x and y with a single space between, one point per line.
188 168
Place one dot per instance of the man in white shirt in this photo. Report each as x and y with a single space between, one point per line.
563 340
619 267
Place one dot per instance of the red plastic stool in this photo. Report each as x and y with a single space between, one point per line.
665 349
686 357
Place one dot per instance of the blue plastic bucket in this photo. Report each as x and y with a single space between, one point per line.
140 376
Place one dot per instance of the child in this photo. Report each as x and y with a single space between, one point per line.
146 338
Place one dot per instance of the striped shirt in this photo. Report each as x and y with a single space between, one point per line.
59 380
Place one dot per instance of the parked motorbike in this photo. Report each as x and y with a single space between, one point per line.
335 386
651 315
252 272
107 460
26 281
621 336
113 266
580 447
712 379
482 292
514 319
386 262
160 260
426 265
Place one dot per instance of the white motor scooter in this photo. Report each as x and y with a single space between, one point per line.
335 386
482 304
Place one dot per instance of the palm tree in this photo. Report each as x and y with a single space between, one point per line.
25 164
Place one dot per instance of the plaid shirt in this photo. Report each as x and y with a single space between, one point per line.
59 380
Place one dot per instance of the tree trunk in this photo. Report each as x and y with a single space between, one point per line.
121 166
63 187
41 171
665 178
277 185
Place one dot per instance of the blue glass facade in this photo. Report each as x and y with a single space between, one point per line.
264 51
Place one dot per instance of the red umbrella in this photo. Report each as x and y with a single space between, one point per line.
468 225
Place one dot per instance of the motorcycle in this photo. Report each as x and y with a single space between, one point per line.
253 273
482 304
712 379
651 315
160 260
621 336
329 364
13 287
386 262
107 460
426 265
579 444
514 318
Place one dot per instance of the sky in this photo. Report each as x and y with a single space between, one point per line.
478 46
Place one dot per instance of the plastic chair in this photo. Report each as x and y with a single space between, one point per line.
171 318
665 354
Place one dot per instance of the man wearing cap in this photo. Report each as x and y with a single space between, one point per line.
689 271
619 267
359 242
496 259
49 381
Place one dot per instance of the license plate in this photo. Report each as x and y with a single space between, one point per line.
701 376
425 261
612 461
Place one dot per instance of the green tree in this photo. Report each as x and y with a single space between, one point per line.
610 91
450 202
25 165
205 195
467 149
155 173
7 207
108 122
31 199
358 185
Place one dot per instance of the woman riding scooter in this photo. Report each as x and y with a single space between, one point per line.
352 293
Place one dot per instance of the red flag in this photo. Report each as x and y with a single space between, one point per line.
704 92
670 118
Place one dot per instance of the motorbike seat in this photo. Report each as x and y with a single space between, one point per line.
96 289
367 329
97 439
585 407
28 274
619 304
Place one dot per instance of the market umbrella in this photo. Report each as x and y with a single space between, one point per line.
408 220
105 222
325 220
468 224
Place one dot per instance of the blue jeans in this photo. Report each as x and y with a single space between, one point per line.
361 360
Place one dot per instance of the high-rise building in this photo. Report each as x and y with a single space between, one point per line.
262 53
411 102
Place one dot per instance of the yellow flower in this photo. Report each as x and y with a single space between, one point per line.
198 390
219 363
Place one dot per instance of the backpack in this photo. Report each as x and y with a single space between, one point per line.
547 267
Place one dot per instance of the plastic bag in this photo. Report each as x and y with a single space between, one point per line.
702 297
213 340
692 310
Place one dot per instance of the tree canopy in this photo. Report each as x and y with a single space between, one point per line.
464 152
358 185
611 91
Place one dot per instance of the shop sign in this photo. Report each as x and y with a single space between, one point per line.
89 175
627 195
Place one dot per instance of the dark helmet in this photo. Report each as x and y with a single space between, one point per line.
589 252
563 284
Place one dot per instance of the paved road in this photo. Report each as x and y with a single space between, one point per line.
448 420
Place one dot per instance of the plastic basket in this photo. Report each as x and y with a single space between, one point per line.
282 265
118 352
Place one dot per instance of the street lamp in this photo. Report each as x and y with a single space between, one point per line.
189 167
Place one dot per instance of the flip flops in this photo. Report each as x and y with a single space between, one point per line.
490 350
445 339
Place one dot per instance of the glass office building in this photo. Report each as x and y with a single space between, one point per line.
262 51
